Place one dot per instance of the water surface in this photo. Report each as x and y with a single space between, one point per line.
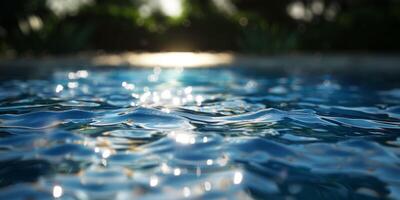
200 134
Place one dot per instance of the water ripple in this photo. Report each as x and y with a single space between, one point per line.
198 134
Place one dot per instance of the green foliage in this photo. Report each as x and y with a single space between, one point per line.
252 26
264 38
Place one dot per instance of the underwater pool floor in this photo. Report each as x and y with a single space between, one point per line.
213 133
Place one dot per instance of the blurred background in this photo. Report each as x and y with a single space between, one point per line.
42 27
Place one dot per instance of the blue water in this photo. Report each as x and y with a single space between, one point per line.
198 134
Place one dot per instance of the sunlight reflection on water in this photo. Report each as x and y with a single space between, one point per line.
175 133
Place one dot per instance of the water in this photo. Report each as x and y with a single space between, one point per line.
198 134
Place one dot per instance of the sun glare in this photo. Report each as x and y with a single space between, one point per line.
171 8
169 59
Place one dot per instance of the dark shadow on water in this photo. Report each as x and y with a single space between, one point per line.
18 171
302 183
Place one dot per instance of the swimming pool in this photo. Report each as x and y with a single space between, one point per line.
211 133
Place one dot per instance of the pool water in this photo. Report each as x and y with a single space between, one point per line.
216 133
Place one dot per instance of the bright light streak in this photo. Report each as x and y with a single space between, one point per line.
184 138
59 88
153 181
169 59
237 178
177 171
57 191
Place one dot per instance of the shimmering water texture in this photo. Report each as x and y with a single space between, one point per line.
199 134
